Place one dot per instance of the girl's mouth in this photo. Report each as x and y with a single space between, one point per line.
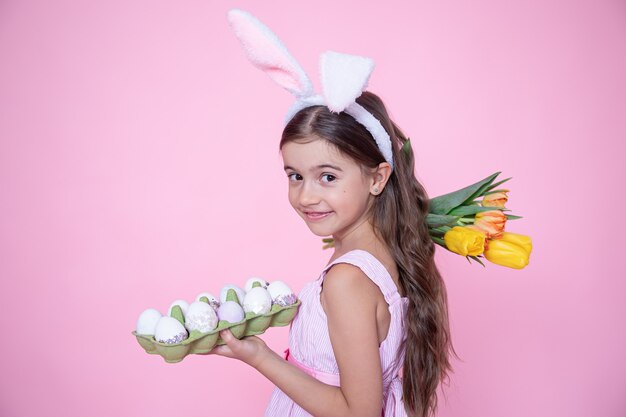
316 215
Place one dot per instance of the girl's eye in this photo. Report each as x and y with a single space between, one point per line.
328 178
294 177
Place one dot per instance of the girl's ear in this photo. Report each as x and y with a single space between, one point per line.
380 177
267 53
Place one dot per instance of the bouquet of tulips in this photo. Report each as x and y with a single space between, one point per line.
471 223
463 224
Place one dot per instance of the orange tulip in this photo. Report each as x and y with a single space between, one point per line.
491 222
498 199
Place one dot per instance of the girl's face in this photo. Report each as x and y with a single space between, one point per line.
326 188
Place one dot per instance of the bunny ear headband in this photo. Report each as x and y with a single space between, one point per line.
344 77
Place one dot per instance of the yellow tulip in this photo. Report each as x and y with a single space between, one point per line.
520 240
465 241
498 199
491 222
507 253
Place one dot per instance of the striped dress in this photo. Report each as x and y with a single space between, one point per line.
310 347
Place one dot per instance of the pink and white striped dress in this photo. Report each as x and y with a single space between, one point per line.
311 350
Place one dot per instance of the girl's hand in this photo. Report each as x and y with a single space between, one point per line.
251 349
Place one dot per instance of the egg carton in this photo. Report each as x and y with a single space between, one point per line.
202 343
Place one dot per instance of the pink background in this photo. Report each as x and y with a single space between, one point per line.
139 164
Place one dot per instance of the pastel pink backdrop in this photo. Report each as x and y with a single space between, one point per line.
139 164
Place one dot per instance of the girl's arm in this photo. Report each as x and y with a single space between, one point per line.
349 298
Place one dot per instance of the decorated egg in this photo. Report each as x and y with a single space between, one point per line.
209 299
257 301
238 290
231 312
281 294
169 330
252 280
146 324
200 316
184 305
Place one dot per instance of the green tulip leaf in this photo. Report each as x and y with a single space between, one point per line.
512 217
436 233
481 190
329 242
439 241
406 147
476 259
439 231
436 220
443 204
462 211
177 313
494 185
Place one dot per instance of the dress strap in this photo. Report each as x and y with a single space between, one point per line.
373 268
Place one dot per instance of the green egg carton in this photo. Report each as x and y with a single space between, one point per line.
202 343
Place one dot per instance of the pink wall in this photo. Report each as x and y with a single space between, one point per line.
139 164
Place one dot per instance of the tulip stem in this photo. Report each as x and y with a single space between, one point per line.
439 241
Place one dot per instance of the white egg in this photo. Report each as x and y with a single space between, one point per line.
252 280
201 317
184 305
257 301
170 331
240 293
281 294
146 324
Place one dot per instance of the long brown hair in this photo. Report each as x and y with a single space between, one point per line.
399 218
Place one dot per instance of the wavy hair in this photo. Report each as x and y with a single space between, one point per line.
399 219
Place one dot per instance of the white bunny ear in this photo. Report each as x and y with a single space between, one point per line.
267 52
344 77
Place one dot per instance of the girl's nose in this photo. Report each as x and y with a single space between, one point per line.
309 195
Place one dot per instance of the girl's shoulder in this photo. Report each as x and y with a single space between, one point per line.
370 266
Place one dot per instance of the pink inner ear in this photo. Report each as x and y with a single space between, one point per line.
284 79
267 53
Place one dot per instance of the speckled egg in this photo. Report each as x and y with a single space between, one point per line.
148 319
213 301
257 301
281 294
169 330
200 316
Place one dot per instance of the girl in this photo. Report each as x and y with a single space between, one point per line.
379 306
